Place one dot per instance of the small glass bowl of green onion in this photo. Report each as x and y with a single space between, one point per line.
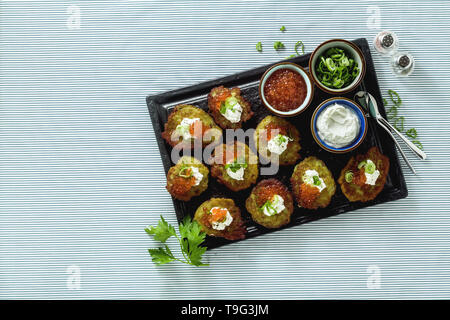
337 66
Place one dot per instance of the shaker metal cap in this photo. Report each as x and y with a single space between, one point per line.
387 40
404 61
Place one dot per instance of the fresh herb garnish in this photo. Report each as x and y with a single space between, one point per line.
301 45
259 47
236 165
269 208
283 28
395 98
316 181
281 139
392 113
418 144
412 133
362 164
399 121
229 103
190 239
370 167
278 45
349 176
336 69
185 171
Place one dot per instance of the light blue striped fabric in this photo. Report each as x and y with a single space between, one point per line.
81 175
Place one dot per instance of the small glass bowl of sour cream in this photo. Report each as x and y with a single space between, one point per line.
339 125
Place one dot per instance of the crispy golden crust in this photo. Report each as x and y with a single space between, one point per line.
223 155
358 190
215 99
183 188
309 196
209 131
269 123
264 191
236 230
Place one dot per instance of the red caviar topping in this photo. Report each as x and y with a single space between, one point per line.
265 193
359 178
221 96
273 129
308 194
197 128
218 214
285 90
182 185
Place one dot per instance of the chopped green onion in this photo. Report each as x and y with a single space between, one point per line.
370 167
259 47
335 69
182 172
418 144
348 176
316 181
329 63
412 133
301 45
281 139
291 56
229 103
392 113
278 45
395 98
272 211
236 165
283 28
399 123
361 164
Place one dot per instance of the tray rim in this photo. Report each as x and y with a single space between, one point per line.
156 101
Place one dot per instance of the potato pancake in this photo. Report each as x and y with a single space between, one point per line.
220 217
312 183
270 204
364 176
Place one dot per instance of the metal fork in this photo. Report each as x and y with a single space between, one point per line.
368 99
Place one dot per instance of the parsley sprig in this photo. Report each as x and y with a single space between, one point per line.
190 239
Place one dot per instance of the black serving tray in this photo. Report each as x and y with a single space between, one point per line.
161 105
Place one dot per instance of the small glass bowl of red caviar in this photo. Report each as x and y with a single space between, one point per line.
286 89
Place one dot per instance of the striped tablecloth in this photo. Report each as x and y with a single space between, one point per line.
81 175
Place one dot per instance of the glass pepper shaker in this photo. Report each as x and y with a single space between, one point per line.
402 63
386 42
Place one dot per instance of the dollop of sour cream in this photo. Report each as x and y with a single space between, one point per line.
308 178
371 178
183 129
221 225
275 207
197 175
233 114
278 144
232 110
338 125
237 175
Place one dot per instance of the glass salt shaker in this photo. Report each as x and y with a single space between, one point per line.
402 63
386 42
